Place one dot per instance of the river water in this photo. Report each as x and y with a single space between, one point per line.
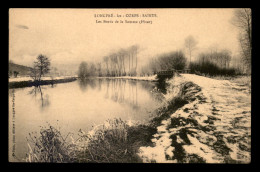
76 105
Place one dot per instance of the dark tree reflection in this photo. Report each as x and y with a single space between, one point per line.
100 81
162 86
121 90
83 84
38 93
107 88
87 82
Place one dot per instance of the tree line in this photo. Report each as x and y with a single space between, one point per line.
120 63
220 58
166 61
214 63
219 62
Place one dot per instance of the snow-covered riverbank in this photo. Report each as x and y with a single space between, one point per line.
203 120
143 78
28 82
213 127
20 79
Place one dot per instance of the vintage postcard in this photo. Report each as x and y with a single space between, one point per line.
130 85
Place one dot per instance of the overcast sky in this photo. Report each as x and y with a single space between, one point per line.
69 36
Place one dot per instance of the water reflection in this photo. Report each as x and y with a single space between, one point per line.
85 83
38 93
157 89
121 91
80 104
162 86
124 91
118 90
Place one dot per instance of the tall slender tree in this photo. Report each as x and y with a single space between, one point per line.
243 21
190 44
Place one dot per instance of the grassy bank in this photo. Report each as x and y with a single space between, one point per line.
115 141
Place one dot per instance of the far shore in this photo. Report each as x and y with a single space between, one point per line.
28 78
28 82
143 78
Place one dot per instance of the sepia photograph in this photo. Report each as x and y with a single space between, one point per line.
129 85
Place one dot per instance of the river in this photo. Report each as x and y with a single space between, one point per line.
76 105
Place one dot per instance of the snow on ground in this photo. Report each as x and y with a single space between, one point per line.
19 79
143 78
230 103
214 128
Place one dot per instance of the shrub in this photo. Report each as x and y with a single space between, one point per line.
50 146
211 69
173 60
112 142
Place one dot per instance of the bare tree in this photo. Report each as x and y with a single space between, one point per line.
133 50
41 67
92 69
116 62
190 44
154 65
243 21
136 49
83 69
219 58
129 62
34 73
122 56
106 60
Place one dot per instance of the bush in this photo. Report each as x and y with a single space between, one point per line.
211 69
112 142
173 60
105 143
167 61
50 147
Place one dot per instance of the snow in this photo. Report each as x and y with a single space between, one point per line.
20 79
143 78
222 107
